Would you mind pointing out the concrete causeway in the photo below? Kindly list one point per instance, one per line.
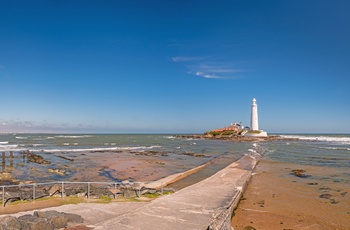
(206, 205)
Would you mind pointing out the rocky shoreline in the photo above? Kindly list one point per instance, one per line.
(48, 220)
(236, 138)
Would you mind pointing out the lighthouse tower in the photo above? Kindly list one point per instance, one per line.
(254, 124)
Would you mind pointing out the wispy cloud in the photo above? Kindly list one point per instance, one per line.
(201, 74)
(203, 66)
(188, 59)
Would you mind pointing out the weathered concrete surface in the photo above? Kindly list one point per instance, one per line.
(205, 205)
(92, 213)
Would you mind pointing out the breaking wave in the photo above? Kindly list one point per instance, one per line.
(326, 138)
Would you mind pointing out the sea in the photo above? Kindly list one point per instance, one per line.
(329, 151)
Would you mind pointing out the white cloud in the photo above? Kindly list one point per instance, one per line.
(203, 66)
(188, 59)
(219, 69)
(213, 71)
(201, 74)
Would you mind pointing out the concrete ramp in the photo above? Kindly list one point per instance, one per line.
(206, 205)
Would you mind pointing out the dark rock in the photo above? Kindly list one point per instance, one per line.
(54, 189)
(26, 194)
(60, 172)
(74, 218)
(66, 158)
(129, 193)
(35, 158)
(30, 222)
(326, 196)
(9, 223)
(312, 183)
(78, 227)
(74, 191)
(148, 190)
(58, 219)
(48, 220)
(299, 173)
(98, 192)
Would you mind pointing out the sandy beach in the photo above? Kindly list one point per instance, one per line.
(277, 199)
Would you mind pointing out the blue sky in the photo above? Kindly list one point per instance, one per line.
(174, 66)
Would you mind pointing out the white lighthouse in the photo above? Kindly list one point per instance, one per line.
(254, 123)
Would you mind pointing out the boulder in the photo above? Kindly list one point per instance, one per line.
(148, 191)
(9, 223)
(74, 218)
(58, 219)
(30, 222)
(60, 172)
(129, 193)
(98, 192)
(75, 191)
(55, 189)
(47, 220)
(36, 158)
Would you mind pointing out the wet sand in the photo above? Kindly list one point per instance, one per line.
(153, 170)
(121, 166)
(277, 199)
(99, 166)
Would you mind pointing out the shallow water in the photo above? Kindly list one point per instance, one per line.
(326, 151)
(180, 154)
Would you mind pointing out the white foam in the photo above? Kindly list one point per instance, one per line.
(3, 142)
(336, 148)
(338, 139)
(71, 136)
(95, 149)
(11, 148)
(23, 138)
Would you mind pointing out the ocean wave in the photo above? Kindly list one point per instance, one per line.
(22, 138)
(96, 149)
(11, 148)
(337, 139)
(3, 142)
(73, 136)
(38, 139)
(336, 148)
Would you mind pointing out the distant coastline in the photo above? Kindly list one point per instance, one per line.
(236, 138)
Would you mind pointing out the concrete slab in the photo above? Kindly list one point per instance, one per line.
(205, 205)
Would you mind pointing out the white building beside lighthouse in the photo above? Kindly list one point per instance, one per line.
(254, 123)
